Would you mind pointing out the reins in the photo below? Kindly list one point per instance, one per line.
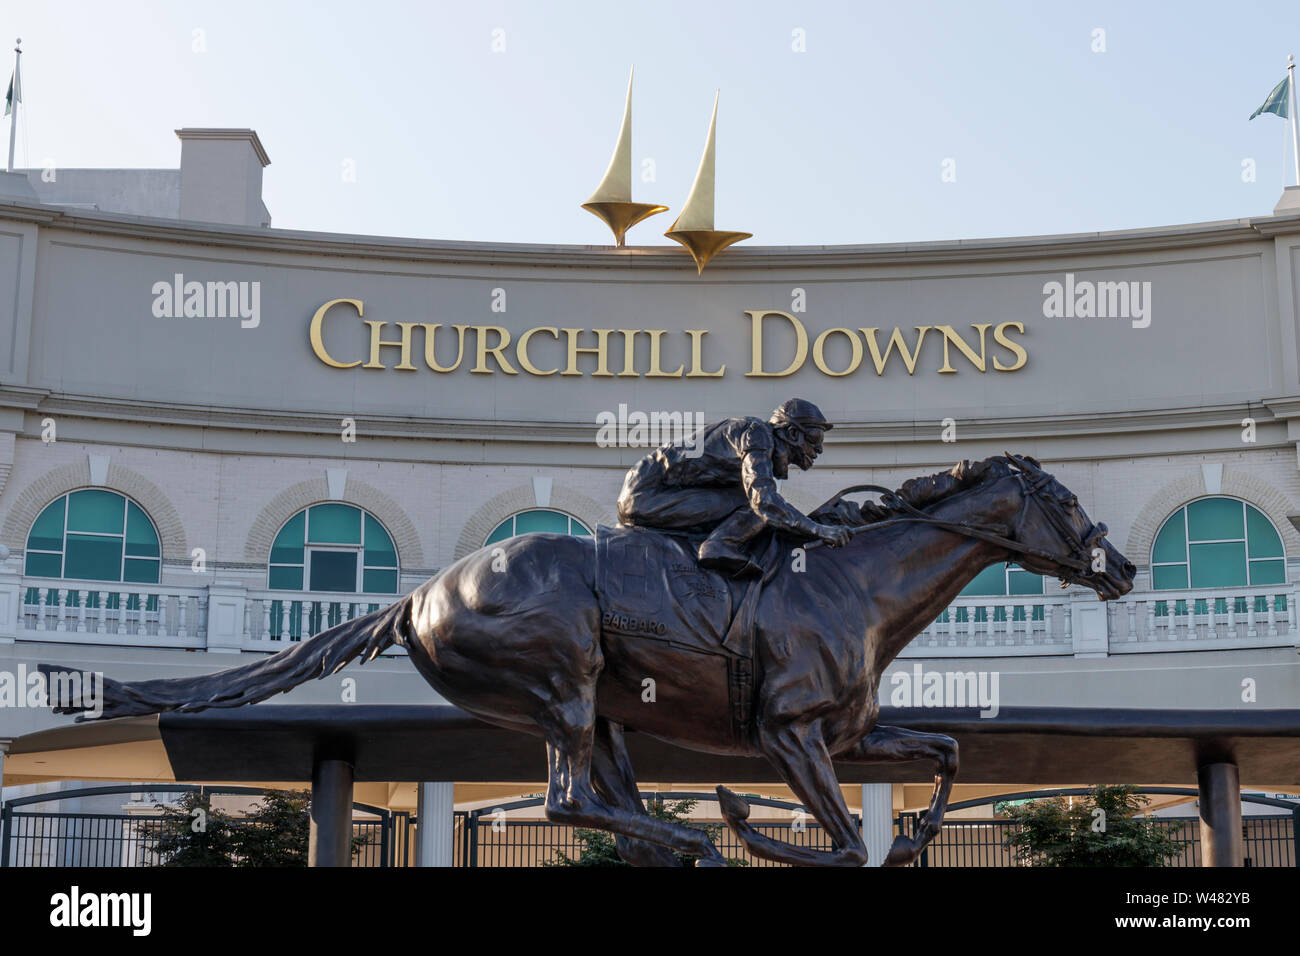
(892, 500)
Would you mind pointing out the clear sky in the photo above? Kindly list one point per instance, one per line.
(844, 142)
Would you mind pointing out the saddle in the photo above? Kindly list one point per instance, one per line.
(651, 587)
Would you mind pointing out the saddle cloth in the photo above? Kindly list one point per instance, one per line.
(650, 586)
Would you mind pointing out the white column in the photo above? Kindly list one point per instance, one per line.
(877, 821)
(434, 832)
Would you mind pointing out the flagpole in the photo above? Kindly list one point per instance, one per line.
(1295, 120)
(18, 92)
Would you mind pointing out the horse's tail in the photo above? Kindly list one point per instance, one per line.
(324, 654)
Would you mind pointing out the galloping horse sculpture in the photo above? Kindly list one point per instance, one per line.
(515, 637)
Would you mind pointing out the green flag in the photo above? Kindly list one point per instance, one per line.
(15, 93)
(1276, 102)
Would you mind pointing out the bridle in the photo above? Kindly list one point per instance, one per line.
(1033, 482)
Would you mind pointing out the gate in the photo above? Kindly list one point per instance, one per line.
(54, 838)
(1267, 839)
(485, 837)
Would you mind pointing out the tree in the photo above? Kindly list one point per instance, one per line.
(191, 833)
(1101, 829)
(599, 848)
(276, 832)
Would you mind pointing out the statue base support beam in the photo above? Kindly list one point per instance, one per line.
(1220, 802)
(331, 814)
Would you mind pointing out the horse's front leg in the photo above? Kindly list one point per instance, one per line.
(886, 743)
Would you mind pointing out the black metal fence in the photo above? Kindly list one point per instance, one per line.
(488, 837)
(33, 837)
(1267, 839)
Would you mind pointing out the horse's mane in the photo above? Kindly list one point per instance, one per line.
(920, 492)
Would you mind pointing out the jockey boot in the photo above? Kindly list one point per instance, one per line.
(723, 550)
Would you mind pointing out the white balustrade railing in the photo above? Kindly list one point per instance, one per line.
(998, 626)
(273, 619)
(230, 617)
(1204, 618)
(132, 614)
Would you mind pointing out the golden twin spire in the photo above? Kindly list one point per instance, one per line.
(612, 201)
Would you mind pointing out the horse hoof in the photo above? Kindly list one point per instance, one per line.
(903, 853)
(733, 806)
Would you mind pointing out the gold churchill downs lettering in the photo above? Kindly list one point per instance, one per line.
(622, 353)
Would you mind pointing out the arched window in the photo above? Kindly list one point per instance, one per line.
(1217, 542)
(539, 519)
(94, 535)
(333, 547)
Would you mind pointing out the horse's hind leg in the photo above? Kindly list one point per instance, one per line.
(886, 743)
(800, 756)
(571, 799)
(612, 773)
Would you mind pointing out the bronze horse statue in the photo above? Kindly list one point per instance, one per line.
(514, 636)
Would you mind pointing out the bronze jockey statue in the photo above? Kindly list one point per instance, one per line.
(722, 482)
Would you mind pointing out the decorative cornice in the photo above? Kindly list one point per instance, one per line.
(654, 257)
(326, 425)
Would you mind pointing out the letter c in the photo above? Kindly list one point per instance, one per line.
(318, 341)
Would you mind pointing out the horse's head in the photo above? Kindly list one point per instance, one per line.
(1064, 541)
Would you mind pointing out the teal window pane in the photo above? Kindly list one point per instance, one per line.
(1261, 535)
(44, 565)
(1199, 606)
(1171, 542)
(981, 614)
(1162, 608)
(578, 529)
(1220, 605)
(1239, 606)
(1279, 602)
(551, 521)
(943, 618)
(141, 539)
(1020, 581)
(288, 545)
(999, 613)
(98, 511)
(1214, 518)
(1169, 577)
(379, 582)
(141, 571)
(991, 582)
(380, 552)
(1268, 572)
(963, 615)
(1218, 565)
(286, 579)
(1038, 612)
(334, 524)
(93, 558)
(1180, 607)
(1261, 603)
(47, 532)
(504, 530)
(333, 571)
